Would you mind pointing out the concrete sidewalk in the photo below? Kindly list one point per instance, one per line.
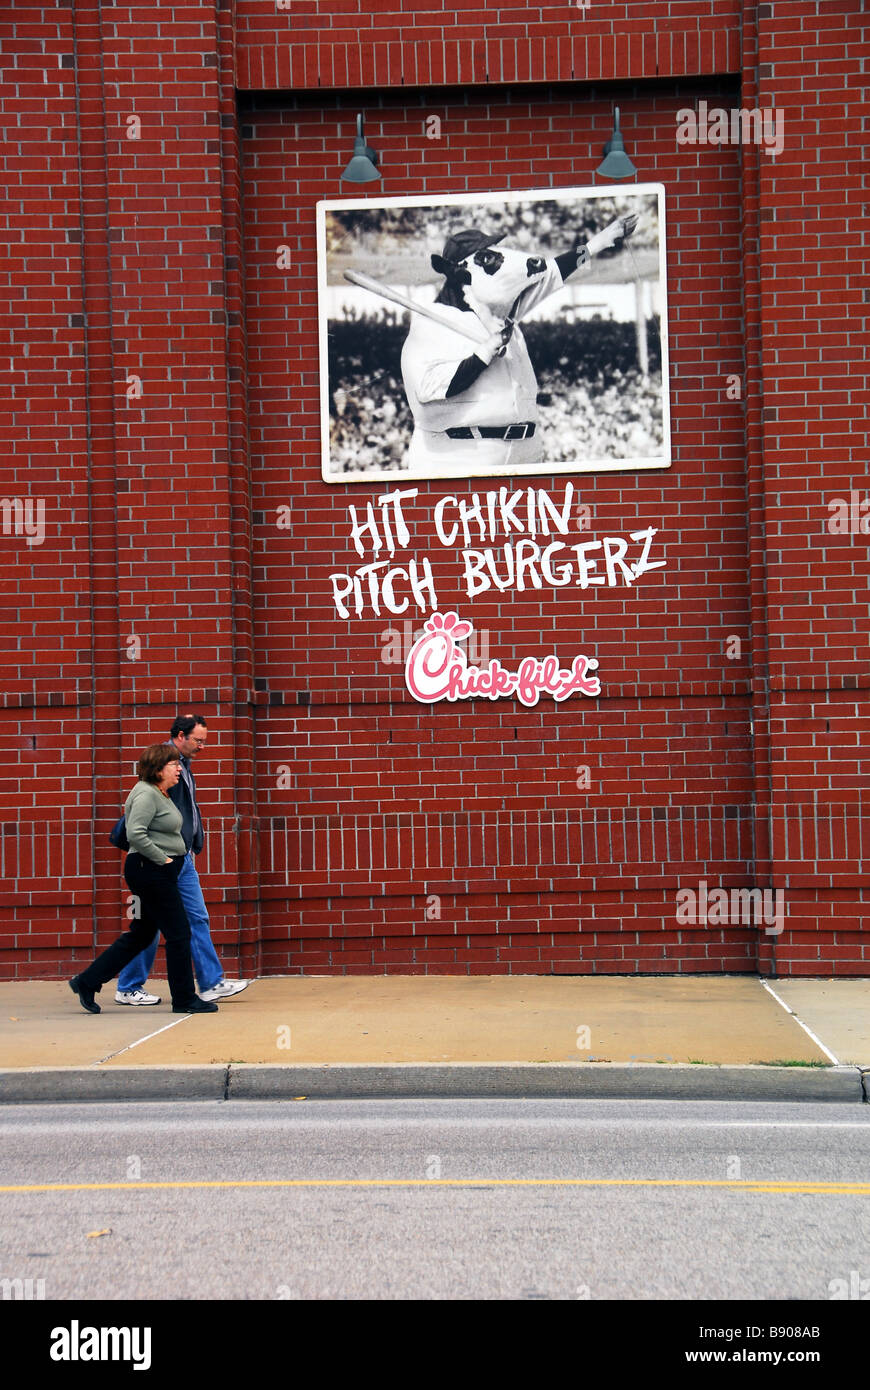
(643, 1036)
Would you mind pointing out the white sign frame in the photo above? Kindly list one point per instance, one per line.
(476, 211)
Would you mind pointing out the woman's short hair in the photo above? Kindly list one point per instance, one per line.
(154, 760)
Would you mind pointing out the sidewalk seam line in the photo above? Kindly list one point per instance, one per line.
(808, 1031)
(129, 1047)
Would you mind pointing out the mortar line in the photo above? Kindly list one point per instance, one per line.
(807, 1030)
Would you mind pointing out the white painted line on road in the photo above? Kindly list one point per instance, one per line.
(818, 1042)
(129, 1048)
(305, 1120)
(307, 1124)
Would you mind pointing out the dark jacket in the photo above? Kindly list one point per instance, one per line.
(185, 799)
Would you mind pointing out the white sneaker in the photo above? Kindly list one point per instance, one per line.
(136, 996)
(225, 990)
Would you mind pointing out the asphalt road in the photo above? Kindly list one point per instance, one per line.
(530, 1199)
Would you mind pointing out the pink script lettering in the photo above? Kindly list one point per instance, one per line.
(437, 669)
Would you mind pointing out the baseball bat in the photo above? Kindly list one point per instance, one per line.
(366, 282)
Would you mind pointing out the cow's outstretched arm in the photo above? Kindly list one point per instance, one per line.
(570, 261)
(615, 234)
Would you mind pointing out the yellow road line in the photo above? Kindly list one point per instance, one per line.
(832, 1189)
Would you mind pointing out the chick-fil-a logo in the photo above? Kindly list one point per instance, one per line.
(437, 669)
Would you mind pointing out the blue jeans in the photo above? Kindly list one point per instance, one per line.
(205, 960)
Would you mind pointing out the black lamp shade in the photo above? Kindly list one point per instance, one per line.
(616, 163)
(361, 168)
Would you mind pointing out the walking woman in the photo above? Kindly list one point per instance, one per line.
(151, 869)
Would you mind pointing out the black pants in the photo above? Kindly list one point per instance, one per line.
(160, 910)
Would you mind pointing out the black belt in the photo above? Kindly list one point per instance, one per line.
(524, 431)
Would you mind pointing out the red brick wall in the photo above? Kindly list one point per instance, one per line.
(458, 802)
(348, 44)
(155, 258)
(118, 271)
(814, 444)
(46, 616)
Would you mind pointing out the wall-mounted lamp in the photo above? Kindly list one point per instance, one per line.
(361, 168)
(616, 163)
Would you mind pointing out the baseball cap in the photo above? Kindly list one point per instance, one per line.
(465, 243)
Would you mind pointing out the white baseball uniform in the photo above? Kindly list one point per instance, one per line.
(504, 394)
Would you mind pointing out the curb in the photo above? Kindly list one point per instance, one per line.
(60, 1085)
(420, 1080)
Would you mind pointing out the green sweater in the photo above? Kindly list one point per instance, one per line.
(153, 823)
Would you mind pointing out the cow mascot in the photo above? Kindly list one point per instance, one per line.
(475, 408)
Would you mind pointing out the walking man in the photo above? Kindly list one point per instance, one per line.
(188, 735)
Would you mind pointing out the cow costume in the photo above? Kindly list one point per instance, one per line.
(475, 408)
